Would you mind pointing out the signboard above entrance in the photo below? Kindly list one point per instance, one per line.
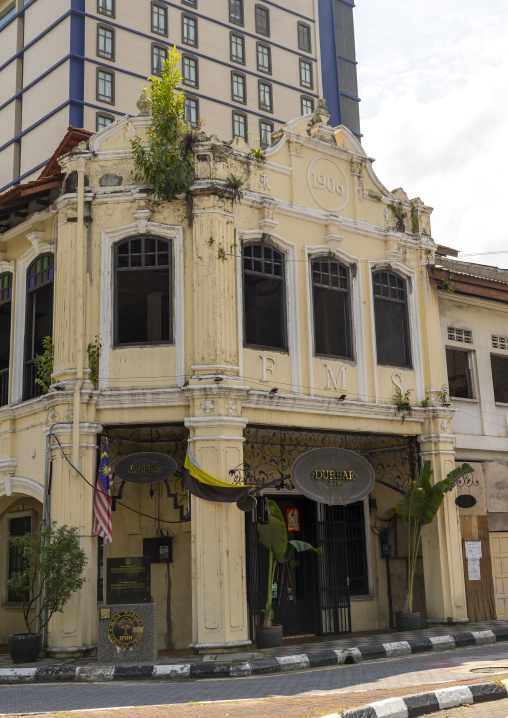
(147, 467)
(333, 476)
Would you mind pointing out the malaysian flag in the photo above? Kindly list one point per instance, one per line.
(102, 501)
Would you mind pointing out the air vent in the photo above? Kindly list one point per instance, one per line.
(460, 335)
(499, 342)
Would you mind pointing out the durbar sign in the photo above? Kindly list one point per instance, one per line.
(147, 467)
(333, 476)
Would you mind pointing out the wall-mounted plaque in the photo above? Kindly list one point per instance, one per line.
(126, 629)
(128, 580)
(146, 467)
(333, 476)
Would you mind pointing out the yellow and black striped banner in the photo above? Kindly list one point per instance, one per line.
(207, 487)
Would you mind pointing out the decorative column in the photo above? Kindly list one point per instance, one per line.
(71, 502)
(441, 540)
(219, 602)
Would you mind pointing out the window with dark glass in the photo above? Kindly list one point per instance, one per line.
(264, 296)
(332, 310)
(307, 106)
(39, 318)
(190, 71)
(499, 365)
(237, 48)
(305, 74)
(391, 316)
(191, 110)
(304, 42)
(103, 121)
(262, 20)
(189, 30)
(264, 58)
(458, 364)
(17, 526)
(192, 3)
(159, 19)
(265, 132)
(238, 87)
(239, 125)
(265, 96)
(159, 56)
(5, 334)
(236, 11)
(106, 7)
(143, 304)
(105, 86)
(105, 42)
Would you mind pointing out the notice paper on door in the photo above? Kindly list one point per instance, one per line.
(473, 567)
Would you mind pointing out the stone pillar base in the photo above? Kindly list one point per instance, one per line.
(72, 652)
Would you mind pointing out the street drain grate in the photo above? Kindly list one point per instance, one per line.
(490, 669)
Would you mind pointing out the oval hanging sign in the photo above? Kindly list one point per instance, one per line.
(333, 476)
(147, 467)
(465, 501)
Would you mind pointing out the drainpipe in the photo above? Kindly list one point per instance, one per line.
(79, 312)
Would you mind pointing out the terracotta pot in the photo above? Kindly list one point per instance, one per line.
(268, 636)
(25, 647)
(407, 621)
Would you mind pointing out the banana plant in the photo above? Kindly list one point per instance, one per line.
(273, 536)
(418, 508)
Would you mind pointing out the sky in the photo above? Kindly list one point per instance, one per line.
(433, 79)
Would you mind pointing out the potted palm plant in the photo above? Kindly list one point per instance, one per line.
(418, 508)
(53, 564)
(274, 537)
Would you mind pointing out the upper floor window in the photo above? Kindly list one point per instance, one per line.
(391, 317)
(191, 110)
(7, 13)
(105, 42)
(106, 7)
(190, 71)
(307, 106)
(237, 48)
(265, 96)
(103, 121)
(460, 381)
(5, 334)
(499, 365)
(305, 74)
(240, 125)
(332, 312)
(39, 318)
(159, 56)
(192, 3)
(304, 42)
(159, 19)
(105, 86)
(238, 87)
(264, 58)
(262, 20)
(265, 131)
(236, 11)
(264, 296)
(189, 30)
(143, 302)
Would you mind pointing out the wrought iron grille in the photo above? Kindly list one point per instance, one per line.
(269, 454)
(164, 439)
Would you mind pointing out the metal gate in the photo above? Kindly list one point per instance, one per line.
(334, 596)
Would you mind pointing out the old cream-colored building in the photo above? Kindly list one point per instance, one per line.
(275, 308)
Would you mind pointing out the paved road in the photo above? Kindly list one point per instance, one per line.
(300, 694)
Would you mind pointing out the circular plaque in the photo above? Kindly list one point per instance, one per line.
(333, 476)
(126, 629)
(328, 184)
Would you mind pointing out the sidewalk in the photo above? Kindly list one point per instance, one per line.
(314, 652)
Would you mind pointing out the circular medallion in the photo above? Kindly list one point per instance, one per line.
(126, 629)
(328, 184)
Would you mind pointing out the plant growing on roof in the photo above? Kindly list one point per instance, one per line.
(44, 364)
(402, 402)
(418, 508)
(166, 160)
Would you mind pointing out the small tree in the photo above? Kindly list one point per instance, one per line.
(52, 566)
(44, 364)
(165, 160)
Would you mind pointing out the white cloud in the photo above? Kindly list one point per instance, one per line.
(432, 78)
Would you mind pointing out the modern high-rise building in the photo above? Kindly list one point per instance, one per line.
(248, 67)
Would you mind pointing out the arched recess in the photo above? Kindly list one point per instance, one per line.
(358, 336)
(21, 486)
(109, 238)
(288, 249)
(409, 275)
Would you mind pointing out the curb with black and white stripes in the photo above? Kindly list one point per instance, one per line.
(421, 704)
(279, 664)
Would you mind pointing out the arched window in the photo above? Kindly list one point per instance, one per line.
(143, 297)
(332, 313)
(39, 318)
(391, 314)
(264, 296)
(5, 334)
